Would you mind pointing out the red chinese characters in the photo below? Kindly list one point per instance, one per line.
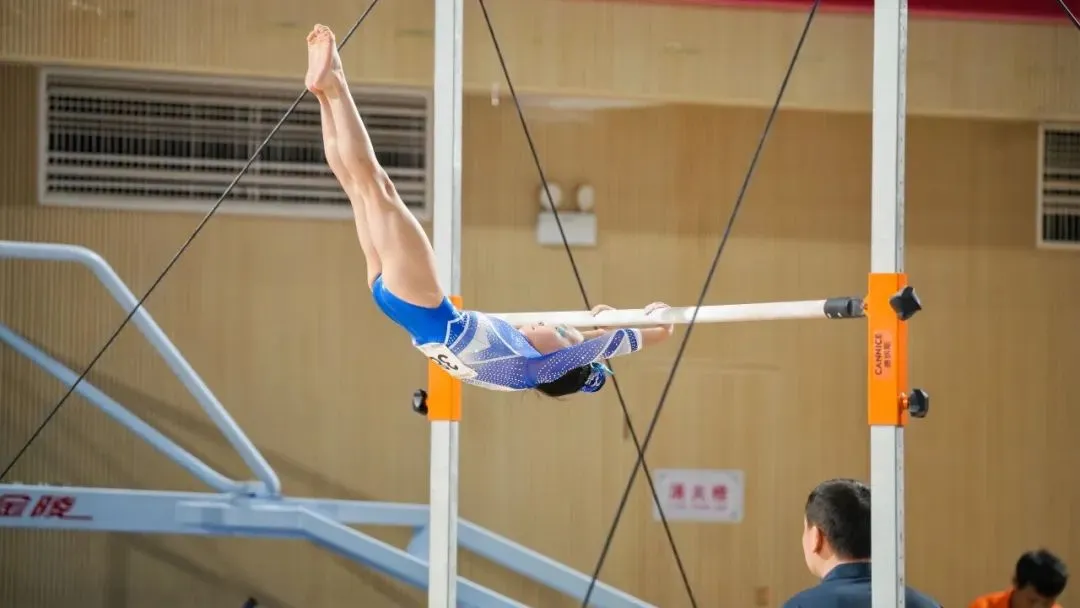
(46, 506)
(13, 505)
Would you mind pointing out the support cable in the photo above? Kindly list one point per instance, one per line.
(585, 296)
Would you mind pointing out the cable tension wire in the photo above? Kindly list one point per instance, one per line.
(704, 292)
(176, 257)
(585, 296)
(1069, 13)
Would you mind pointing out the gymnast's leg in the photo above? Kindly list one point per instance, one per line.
(404, 252)
(333, 158)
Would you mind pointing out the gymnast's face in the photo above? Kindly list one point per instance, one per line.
(550, 338)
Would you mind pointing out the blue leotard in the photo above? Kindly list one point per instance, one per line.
(488, 352)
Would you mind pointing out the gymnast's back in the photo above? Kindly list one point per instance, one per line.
(469, 345)
(488, 352)
(484, 351)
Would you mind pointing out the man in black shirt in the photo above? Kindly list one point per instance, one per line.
(836, 545)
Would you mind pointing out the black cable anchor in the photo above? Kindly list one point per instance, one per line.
(419, 402)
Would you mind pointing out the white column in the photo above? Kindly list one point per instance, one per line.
(887, 256)
(446, 237)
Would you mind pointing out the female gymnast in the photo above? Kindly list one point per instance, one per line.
(474, 347)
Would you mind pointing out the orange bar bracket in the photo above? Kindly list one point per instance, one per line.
(444, 391)
(887, 377)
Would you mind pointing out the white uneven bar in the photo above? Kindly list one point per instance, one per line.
(728, 313)
(887, 256)
(446, 236)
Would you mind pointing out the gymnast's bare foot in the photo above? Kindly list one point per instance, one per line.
(324, 64)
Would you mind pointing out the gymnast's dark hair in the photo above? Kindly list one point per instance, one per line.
(568, 384)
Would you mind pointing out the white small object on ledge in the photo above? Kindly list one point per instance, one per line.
(556, 196)
(586, 198)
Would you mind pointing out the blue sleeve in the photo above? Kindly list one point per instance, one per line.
(553, 366)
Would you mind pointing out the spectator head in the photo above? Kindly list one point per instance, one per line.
(1039, 579)
(836, 526)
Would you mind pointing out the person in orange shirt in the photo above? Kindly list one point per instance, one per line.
(1039, 579)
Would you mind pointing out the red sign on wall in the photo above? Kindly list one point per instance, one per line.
(700, 495)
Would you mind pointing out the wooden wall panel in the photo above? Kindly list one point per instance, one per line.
(275, 315)
(561, 47)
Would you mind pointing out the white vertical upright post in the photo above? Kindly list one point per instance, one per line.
(887, 256)
(446, 236)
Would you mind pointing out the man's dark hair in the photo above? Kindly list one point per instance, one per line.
(840, 508)
(1042, 571)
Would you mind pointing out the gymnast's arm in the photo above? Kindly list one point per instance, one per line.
(650, 336)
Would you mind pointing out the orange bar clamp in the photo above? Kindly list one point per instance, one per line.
(444, 391)
(888, 356)
(889, 305)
